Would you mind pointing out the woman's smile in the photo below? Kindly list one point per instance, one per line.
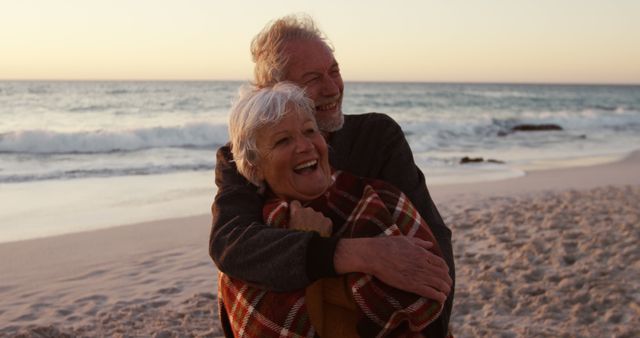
(294, 159)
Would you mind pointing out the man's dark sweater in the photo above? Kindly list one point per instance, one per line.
(370, 145)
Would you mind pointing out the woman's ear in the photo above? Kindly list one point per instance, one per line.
(259, 174)
(259, 180)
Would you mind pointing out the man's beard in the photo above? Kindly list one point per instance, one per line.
(331, 125)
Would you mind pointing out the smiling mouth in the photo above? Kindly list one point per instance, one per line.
(327, 107)
(306, 167)
(328, 103)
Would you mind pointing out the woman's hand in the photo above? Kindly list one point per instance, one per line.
(307, 219)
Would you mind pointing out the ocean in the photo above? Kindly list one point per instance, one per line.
(81, 155)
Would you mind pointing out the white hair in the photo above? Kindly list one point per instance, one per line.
(267, 47)
(255, 108)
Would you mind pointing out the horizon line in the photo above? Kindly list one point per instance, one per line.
(559, 83)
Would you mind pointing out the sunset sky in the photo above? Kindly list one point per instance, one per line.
(566, 41)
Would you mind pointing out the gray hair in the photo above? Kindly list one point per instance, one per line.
(256, 108)
(267, 47)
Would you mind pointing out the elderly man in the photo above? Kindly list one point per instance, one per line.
(370, 145)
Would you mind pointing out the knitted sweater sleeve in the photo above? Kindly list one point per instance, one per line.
(243, 247)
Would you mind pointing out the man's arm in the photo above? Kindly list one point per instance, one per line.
(244, 248)
(373, 145)
(401, 170)
(402, 262)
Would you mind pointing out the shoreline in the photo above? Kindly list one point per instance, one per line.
(619, 171)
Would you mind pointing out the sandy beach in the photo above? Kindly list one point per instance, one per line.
(552, 254)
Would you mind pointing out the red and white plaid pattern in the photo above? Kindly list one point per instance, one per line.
(358, 207)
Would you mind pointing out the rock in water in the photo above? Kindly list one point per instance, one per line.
(536, 127)
(468, 159)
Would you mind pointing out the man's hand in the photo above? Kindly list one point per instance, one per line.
(401, 262)
(307, 219)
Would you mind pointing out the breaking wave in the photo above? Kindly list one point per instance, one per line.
(195, 135)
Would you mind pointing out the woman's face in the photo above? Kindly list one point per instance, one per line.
(293, 157)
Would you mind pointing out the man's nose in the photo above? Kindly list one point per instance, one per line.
(330, 86)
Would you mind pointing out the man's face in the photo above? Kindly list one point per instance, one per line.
(312, 66)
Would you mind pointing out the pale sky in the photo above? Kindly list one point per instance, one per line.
(551, 41)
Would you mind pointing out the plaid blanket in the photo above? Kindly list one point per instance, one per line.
(358, 207)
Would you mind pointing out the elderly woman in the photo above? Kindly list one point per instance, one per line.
(277, 146)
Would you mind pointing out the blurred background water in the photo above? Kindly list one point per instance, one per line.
(83, 155)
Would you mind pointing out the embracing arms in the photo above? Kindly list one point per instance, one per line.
(282, 260)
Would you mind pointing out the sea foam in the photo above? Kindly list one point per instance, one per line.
(194, 135)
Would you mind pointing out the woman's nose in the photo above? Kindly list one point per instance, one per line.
(303, 144)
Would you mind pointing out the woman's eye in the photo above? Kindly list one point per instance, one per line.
(310, 131)
(281, 141)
